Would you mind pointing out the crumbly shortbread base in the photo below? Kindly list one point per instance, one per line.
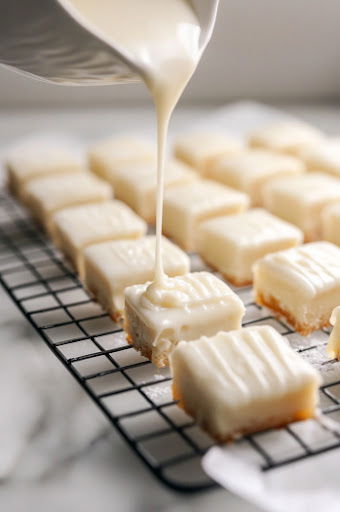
(257, 423)
(304, 328)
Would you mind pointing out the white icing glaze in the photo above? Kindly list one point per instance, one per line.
(323, 156)
(200, 149)
(250, 364)
(143, 175)
(182, 308)
(315, 267)
(121, 149)
(252, 164)
(83, 224)
(163, 40)
(315, 186)
(112, 266)
(286, 136)
(58, 191)
(204, 195)
(135, 254)
(252, 228)
(37, 160)
(186, 291)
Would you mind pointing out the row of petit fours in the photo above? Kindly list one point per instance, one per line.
(108, 268)
(106, 264)
(263, 177)
(270, 171)
(198, 214)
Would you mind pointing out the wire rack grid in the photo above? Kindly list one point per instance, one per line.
(134, 396)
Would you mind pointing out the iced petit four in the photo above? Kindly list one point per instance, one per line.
(243, 381)
(301, 284)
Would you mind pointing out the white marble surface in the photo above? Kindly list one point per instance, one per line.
(71, 459)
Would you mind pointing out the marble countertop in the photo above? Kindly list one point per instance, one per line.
(57, 463)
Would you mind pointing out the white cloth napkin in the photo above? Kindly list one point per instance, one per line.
(310, 485)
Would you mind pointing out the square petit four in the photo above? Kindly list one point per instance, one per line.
(301, 199)
(333, 345)
(30, 161)
(323, 157)
(77, 227)
(46, 196)
(290, 137)
(199, 149)
(250, 170)
(106, 155)
(186, 206)
(183, 308)
(110, 267)
(243, 381)
(330, 223)
(136, 184)
(301, 284)
(232, 244)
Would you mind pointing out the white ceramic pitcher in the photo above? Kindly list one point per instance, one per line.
(48, 40)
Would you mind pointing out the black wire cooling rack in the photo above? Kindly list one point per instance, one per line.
(134, 396)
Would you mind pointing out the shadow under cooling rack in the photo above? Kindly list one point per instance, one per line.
(131, 392)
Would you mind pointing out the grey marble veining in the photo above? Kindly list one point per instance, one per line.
(57, 451)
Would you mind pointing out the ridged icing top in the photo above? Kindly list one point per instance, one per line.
(254, 361)
(310, 187)
(286, 135)
(255, 163)
(203, 195)
(144, 173)
(198, 146)
(124, 148)
(135, 255)
(254, 227)
(54, 190)
(41, 158)
(187, 291)
(314, 267)
(109, 218)
(325, 155)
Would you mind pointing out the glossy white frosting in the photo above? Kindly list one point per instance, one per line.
(203, 196)
(313, 268)
(252, 228)
(190, 290)
(129, 256)
(56, 192)
(307, 188)
(324, 156)
(254, 163)
(199, 149)
(142, 175)
(286, 136)
(250, 170)
(112, 266)
(33, 160)
(94, 222)
(159, 315)
(109, 153)
(243, 380)
(248, 362)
